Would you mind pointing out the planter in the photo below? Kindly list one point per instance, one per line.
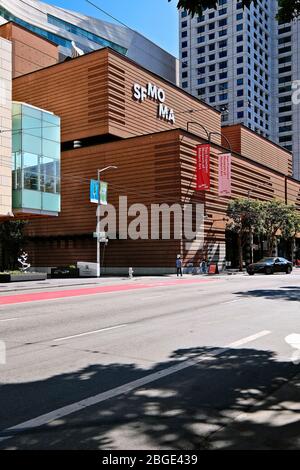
(64, 272)
(6, 277)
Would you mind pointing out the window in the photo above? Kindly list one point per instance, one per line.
(222, 22)
(223, 65)
(223, 96)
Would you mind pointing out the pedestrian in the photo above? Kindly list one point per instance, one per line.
(179, 266)
(203, 266)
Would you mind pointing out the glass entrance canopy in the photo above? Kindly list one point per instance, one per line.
(36, 160)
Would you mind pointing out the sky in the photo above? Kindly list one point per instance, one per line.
(155, 19)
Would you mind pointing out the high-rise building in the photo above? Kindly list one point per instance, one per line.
(243, 62)
(289, 73)
(75, 33)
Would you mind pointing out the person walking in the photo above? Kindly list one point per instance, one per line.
(179, 266)
(203, 266)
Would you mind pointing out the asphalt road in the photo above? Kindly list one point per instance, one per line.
(154, 364)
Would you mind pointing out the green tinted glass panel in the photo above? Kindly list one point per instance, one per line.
(31, 144)
(16, 108)
(32, 112)
(17, 199)
(32, 126)
(51, 131)
(51, 202)
(51, 149)
(16, 142)
(16, 122)
(31, 199)
(55, 120)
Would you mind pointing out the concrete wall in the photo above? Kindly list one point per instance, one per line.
(5, 127)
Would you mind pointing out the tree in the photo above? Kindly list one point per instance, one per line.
(12, 240)
(288, 9)
(279, 218)
(245, 219)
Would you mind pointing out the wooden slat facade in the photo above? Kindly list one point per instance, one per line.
(246, 142)
(155, 159)
(30, 52)
(158, 168)
(93, 96)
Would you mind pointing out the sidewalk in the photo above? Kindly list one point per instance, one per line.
(273, 423)
(78, 282)
(107, 280)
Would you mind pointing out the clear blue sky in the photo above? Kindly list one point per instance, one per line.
(155, 19)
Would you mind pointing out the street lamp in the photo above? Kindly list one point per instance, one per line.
(223, 136)
(110, 167)
(197, 124)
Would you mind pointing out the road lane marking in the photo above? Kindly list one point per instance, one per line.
(123, 389)
(250, 338)
(90, 333)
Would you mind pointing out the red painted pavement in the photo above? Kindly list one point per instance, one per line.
(37, 296)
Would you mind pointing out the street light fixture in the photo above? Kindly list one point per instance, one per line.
(110, 167)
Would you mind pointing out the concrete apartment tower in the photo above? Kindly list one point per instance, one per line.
(243, 62)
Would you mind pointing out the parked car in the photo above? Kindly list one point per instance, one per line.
(270, 266)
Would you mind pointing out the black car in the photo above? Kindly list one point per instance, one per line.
(270, 266)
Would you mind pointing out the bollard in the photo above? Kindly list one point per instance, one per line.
(130, 272)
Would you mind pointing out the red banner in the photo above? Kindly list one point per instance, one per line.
(225, 174)
(203, 168)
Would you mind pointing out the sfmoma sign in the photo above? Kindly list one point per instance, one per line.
(157, 94)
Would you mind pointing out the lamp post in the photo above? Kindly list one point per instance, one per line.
(98, 219)
(221, 135)
(197, 124)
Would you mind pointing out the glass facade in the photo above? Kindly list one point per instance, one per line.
(85, 34)
(59, 40)
(36, 159)
(42, 32)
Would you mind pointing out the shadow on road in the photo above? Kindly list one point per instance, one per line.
(284, 293)
(182, 411)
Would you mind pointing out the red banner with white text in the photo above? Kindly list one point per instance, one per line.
(225, 174)
(203, 168)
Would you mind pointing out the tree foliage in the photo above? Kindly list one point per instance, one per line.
(245, 219)
(288, 9)
(279, 219)
(12, 240)
(269, 219)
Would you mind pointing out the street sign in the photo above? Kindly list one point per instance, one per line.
(94, 191)
(103, 193)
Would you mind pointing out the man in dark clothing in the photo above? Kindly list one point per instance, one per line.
(179, 266)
